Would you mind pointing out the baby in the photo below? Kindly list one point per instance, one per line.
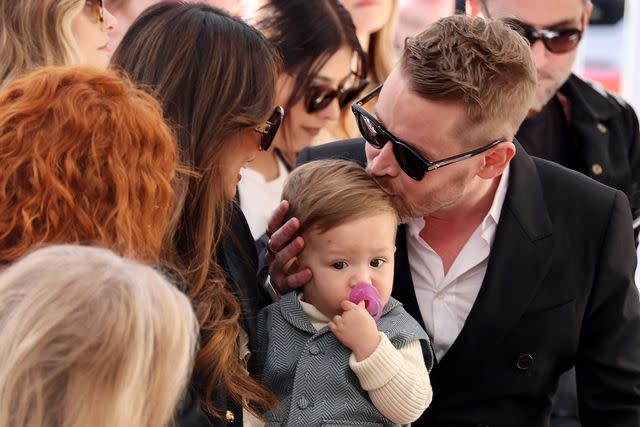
(325, 357)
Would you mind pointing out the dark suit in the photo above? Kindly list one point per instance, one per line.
(558, 291)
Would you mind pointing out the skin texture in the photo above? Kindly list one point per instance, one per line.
(553, 69)
(125, 15)
(368, 16)
(243, 148)
(359, 251)
(93, 38)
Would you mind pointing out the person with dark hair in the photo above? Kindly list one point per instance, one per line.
(324, 71)
(216, 78)
(518, 268)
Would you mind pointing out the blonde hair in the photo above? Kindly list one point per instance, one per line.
(325, 194)
(35, 33)
(482, 63)
(90, 338)
(381, 53)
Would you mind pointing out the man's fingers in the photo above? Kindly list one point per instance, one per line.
(277, 217)
(285, 234)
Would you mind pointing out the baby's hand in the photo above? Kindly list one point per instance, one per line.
(356, 330)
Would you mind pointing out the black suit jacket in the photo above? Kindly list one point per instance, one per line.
(558, 291)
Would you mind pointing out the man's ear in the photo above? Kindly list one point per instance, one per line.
(587, 14)
(496, 160)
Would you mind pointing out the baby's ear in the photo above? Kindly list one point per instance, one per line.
(395, 249)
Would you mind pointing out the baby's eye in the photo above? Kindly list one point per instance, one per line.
(377, 262)
(339, 265)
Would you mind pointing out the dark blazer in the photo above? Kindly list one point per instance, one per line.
(558, 291)
(238, 257)
(606, 138)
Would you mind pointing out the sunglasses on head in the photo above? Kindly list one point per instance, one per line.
(318, 97)
(556, 41)
(98, 8)
(269, 128)
(410, 161)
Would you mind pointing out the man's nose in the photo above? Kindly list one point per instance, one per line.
(383, 162)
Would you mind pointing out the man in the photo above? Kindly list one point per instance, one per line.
(571, 122)
(517, 268)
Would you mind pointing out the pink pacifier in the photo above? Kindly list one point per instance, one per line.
(367, 293)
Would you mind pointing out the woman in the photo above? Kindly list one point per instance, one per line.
(86, 158)
(91, 339)
(324, 67)
(215, 76)
(36, 33)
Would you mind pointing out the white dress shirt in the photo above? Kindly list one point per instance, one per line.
(259, 198)
(445, 300)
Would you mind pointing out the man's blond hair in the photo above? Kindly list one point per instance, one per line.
(481, 63)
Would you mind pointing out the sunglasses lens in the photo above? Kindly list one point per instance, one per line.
(318, 98)
(371, 131)
(409, 162)
(565, 41)
(274, 124)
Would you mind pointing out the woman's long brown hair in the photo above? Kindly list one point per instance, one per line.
(215, 76)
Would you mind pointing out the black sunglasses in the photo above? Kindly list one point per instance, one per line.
(98, 8)
(556, 41)
(410, 161)
(269, 128)
(318, 97)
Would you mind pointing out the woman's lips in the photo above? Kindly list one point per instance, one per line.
(311, 131)
(107, 47)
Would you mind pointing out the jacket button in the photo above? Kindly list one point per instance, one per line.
(483, 425)
(314, 350)
(230, 416)
(303, 403)
(524, 362)
(601, 128)
(596, 169)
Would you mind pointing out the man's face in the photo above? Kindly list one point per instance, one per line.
(553, 68)
(431, 128)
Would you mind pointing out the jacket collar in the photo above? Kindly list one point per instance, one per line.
(589, 102)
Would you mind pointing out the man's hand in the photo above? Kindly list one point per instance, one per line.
(283, 248)
(356, 330)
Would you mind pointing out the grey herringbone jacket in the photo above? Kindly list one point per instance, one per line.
(309, 370)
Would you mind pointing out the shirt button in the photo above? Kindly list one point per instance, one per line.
(440, 295)
(596, 169)
(525, 361)
(314, 350)
(601, 128)
(303, 403)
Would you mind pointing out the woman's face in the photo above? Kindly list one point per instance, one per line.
(92, 36)
(240, 150)
(369, 16)
(299, 127)
(125, 15)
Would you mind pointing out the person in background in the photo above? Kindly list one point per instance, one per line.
(349, 225)
(375, 24)
(86, 158)
(216, 78)
(572, 122)
(90, 338)
(415, 15)
(36, 33)
(324, 69)
(518, 268)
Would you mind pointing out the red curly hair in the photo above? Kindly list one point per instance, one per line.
(86, 158)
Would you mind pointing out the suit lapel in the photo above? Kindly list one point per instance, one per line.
(519, 259)
(403, 289)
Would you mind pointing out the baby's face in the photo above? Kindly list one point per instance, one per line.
(359, 251)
